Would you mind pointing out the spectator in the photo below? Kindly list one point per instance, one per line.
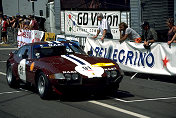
(16, 21)
(26, 24)
(4, 30)
(104, 28)
(150, 35)
(7, 20)
(33, 24)
(128, 33)
(21, 23)
(172, 31)
(42, 24)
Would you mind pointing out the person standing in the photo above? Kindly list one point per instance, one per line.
(172, 31)
(103, 27)
(128, 33)
(33, 24)
(150, 35)
(4, 30)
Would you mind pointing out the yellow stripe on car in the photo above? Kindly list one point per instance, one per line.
(102, 64)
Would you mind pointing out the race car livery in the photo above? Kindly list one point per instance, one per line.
(54, 66)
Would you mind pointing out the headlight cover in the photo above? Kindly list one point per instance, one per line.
(75, 76)
(113, 74)
(108, 74)
(68, 77)
(57, 76)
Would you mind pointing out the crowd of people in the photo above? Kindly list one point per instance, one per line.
(18, 22)
(148, 37)
(149, 34)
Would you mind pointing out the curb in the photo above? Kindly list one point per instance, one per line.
(4, 45)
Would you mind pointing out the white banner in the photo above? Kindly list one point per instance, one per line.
(29, 36)
(133, 57)
(83, 23)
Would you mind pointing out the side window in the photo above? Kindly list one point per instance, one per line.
(23, 50)
(28, 52)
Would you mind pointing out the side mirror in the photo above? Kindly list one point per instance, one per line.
(24, 56)
(90, 53)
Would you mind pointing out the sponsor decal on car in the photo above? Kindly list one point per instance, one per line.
(85, 68)
(69, 72)
(102, 64)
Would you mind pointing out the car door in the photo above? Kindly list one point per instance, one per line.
(22, 55)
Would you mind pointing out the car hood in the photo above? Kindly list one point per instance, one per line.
(73, 60)
(82, 64)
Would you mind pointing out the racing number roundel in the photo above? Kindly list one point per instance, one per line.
(90, 71)
(22, 70)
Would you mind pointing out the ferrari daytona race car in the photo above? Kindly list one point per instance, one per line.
(57, 66)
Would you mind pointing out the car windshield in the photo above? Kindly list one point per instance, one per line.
(47, 51)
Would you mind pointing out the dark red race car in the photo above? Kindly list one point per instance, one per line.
(57, 66)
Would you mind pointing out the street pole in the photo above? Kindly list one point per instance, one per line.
(33, 10)
(175, 12)
(18, 7)
(57, 11)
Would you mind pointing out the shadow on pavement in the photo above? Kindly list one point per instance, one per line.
(84, 96)
(161, 78)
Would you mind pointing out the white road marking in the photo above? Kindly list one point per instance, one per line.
(143, 100)
(23, 89)
(133, 75)
(119, 109)
(1, 73)
(3, 61)
(8, 48)
(10, 92)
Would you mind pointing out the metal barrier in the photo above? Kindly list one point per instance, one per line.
(13, 32)
(12, 35)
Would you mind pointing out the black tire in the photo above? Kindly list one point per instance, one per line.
(11, 80)
(43, 86)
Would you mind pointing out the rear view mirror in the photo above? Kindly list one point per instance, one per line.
(24, 56)
(90, 53)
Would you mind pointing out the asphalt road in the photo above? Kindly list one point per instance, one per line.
(136, 97)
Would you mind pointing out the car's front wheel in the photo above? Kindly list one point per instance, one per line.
(11, 80)
(43, 86)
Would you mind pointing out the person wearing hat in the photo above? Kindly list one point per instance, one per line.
(103, 27)
(128, 33)
(150, 35)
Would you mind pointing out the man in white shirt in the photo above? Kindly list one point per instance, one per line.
(104, 28)
(128, 33)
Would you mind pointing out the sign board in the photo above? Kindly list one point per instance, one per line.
(49, 36)
(133, 57)
(84, 23)
(29, 36)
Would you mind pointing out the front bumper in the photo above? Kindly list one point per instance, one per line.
(86, 83)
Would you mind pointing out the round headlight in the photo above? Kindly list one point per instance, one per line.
(75, 76)
(108, 74)
(68, 76)
(113, 74)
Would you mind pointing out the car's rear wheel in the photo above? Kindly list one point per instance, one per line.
(11, 80)
(43, 86)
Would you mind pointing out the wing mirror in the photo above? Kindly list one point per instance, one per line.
(90, 53)
(24, 56)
